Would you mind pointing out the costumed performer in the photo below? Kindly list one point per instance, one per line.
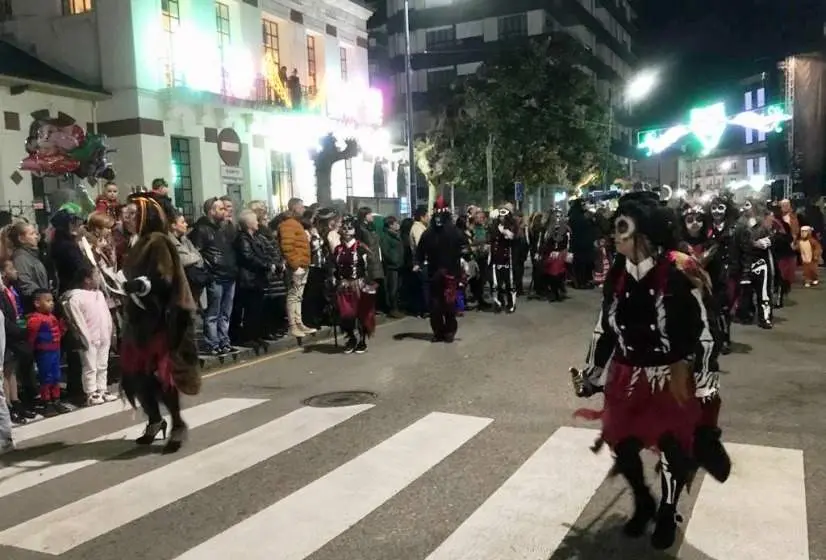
(503, 245)
(158, 354)
(755, 263)
(650, 326)
(441, 248)
(355, 293)
(810, 253)
(724, 276)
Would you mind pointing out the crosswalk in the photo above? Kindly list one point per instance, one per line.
(527, 517)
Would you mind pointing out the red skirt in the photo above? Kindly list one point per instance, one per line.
(646, 410)
(787, 266)
(556, 266)
(357, 304)
(148, 359)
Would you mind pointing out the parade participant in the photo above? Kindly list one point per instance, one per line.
(810, 253)
(653, 329)
(555, 249)
(501, 259)
(355, 294)
(159, 357)
(441, 249)
(753, 257)
(694, 238)
(724, 284)
(784, 255)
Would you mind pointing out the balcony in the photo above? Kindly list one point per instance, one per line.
(262, 92)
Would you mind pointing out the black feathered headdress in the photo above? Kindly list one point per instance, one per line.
(648, 217)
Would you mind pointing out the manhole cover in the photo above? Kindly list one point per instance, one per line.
(341, 398)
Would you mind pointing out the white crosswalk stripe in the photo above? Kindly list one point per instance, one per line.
(526, 518)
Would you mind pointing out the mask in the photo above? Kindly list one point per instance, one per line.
(718, 212)
(693, 223)
(348, 231)
(624, 228)
(439, 219)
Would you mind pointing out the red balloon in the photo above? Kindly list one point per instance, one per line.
(57, 164)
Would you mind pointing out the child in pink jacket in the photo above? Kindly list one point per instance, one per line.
(91, 321)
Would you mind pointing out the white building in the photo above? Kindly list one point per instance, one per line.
(196, 96)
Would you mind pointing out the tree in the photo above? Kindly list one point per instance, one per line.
(331, 150)
(540, 108)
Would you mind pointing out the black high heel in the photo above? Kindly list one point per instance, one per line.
(151, 432)
(177, 436)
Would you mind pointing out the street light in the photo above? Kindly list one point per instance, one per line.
(641, 86)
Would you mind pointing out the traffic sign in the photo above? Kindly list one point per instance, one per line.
(518, 191)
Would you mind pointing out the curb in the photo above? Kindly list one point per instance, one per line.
(247, 354)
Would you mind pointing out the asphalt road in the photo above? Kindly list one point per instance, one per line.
(469, 451)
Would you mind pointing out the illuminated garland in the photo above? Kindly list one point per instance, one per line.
(708, 124)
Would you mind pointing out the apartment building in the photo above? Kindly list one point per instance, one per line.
(451, 38)
(219, 97)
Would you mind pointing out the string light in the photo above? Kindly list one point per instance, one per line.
(707, 124)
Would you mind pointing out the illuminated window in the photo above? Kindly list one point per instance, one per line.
(74, 7)
(274, 90)
(312, 76)
(171, 20)
(348, 176)
(342, 55)
(222, 27)
(282, 177)
(182, 176)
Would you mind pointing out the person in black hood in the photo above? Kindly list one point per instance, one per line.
(216, 246)
(440, 248)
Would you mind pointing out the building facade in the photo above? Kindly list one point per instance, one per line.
(451, 38)
(228, 97)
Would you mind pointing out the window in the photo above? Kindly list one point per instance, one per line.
(747, 105)
(275, 89)
(750, 171)
(437, 79)
(171, 19)
(440, 38)
(761, 167)
(282, 177)
(513, 26)
(312, 76)
(348, 176)
(75, 7)
(222, 27)
(5, 10)
(761, 102)
(182, 176)
(342, 55)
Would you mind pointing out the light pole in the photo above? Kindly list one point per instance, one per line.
(412, 188)
(637, 90)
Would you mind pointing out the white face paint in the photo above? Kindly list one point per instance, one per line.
(624, 228)
(693, 223)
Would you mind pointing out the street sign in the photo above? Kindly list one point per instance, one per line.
(518, 192)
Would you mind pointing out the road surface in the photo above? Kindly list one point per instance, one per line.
(467, 452)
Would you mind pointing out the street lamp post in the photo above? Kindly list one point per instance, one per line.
(412, 188)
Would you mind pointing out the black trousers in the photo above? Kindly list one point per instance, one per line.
(391, 289)
(442, 314)
(250, 309)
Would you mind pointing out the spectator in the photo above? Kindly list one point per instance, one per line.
(368, 237)
(17, 349)
(160, 192)
(89, 317)
(44, 334)
(254, 264)
(275, 293)
(6, 441)
(392, 251)
(229, 216)
(295, 246)
(192, 262)
(212, 239)
(31, 272)
(107, 203)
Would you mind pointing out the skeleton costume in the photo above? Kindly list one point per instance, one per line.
(355, 294)
(784, 256)
(557, 243)
(502, 246)
(441, 248)
(158, 354)
(755, 263)
(724, 284)
(652, 330)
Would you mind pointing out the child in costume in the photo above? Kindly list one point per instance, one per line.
(44, 333)
(810, 253)
(88, 313)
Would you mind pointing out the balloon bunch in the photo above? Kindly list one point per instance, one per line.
(59, 146)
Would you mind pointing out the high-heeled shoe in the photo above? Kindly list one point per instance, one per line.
(177, 437)
(151, 432)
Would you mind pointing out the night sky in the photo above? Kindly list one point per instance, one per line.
(701, 45)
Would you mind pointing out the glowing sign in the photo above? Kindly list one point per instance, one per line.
(707, 124)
